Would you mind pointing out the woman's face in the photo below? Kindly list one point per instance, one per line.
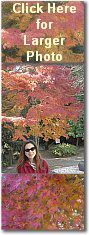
(30, 151)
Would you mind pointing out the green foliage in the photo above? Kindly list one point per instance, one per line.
(9, 147)
(78, 49)
(12, 52)
(65, 150)
(7, 135)
(77, 129)
(17, 145)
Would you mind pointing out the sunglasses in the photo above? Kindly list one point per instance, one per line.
(31, 149)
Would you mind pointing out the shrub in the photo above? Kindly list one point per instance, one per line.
(65, 150)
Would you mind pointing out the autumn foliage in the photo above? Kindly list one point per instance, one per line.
(42, 202)
(69, 26)
(42, 98)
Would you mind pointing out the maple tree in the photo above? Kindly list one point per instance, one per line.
(42, 202)
(40, 100)
(77, 129)
(69, 26)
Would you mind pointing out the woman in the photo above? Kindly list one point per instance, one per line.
(30, 160)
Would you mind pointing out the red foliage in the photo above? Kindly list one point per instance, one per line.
(42, 202)
(49, 95)
(69, 26)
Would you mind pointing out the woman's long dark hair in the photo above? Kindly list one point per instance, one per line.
(23, 157)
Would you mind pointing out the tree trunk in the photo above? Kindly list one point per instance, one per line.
(37, 141)
(77, 142)
(10, 157)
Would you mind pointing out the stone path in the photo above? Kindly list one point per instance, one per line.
(10, 170)
(64, 165)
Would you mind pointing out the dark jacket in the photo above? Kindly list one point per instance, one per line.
(27, 168)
